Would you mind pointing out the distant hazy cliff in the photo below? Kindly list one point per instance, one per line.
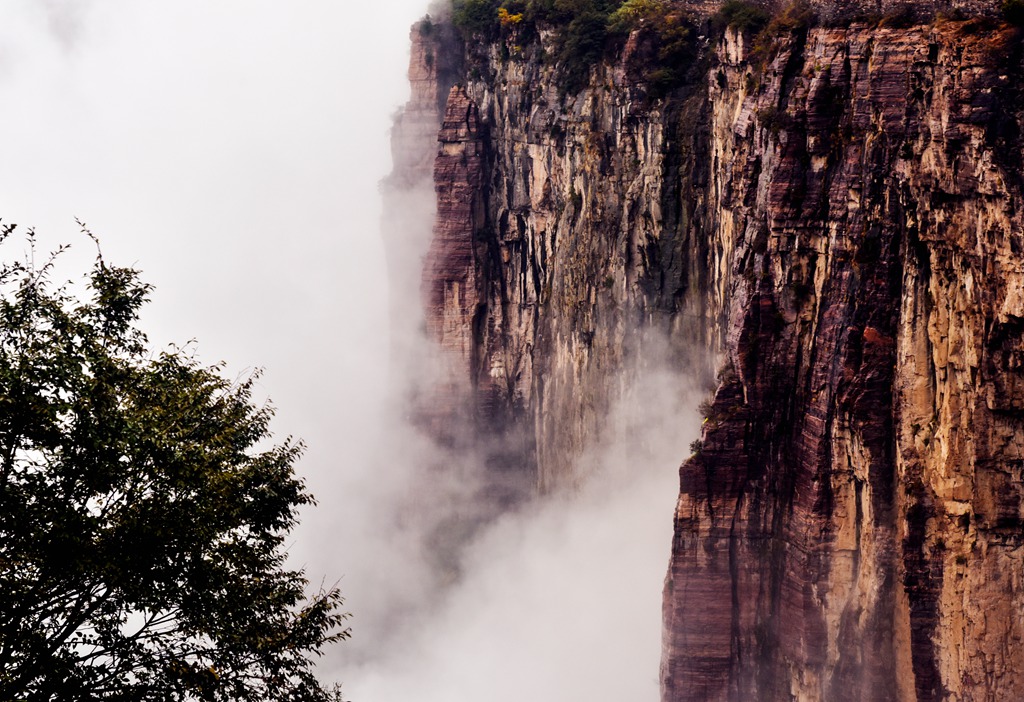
(834, 214)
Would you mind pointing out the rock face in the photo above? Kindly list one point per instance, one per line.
(408, 193)
(557, 238)
(835, 221)
(858, 491)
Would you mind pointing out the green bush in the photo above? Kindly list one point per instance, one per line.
(794, 17)
(564, 11)
(743, 15)
(584, 31)
(773, 119)
(540, 10)
(582, 46)
(475, 16)
(668, 30)
(628, 16)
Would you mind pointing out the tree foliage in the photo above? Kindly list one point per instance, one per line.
(142, 518)
(586, 32)
(478, 17)
(744, 15)
(581, 24)
(669, 31)
(584, 39)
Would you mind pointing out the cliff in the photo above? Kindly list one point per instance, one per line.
(857, 493)
(831, 217)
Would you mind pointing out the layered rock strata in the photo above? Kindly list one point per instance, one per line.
(851, 527)
(559, 236)
(837, 218)
(409, 202)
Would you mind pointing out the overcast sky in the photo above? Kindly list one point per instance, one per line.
(231, 150)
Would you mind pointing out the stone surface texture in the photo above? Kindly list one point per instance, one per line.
(851, 527)
(836, 222)
(408, 199)
(558, 238)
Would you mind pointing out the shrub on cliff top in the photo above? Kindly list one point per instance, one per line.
(475, 16)
(668, 31)
(743, 15)
(508, 19)
(581, 28)
(764, 30)
(585, 30)
(562, 12)
(582, 46)
(660, 15)
(795, 16)
(632, 12)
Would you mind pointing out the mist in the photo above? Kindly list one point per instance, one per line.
(232, 151)
(560, 600)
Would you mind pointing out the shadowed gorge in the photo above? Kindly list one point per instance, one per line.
(817, 214)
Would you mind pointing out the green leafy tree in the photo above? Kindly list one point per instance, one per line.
(669, 30)
(475, 16)
(142, 515)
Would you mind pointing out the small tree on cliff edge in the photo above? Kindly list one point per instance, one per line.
(140, 528)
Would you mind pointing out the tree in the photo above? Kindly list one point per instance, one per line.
(475, 16)
(142, 517)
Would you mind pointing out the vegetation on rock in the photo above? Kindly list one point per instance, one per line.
(743, 15)
(668, 31)
(586, 30)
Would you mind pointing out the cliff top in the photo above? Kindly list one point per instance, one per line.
(488, 16)
(582, 33)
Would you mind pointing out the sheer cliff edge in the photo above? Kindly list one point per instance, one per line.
(827, 204)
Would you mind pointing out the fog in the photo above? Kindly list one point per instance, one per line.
(560, 600)
(232, 152)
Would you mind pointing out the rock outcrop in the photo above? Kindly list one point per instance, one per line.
(857, 492)
(832, 216)
(558, 238)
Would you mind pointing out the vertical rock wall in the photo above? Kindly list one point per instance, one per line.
(409, 202)
(565, 223)
(857, 494)
(837, 219)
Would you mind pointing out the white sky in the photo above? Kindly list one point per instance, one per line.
(231, 150)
